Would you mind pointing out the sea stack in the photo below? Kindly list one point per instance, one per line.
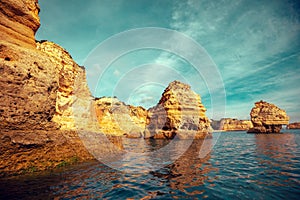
(267, 118)
(179, 113)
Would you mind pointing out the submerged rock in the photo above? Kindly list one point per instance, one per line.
(179, 113)
(267, 118)
(295, 125)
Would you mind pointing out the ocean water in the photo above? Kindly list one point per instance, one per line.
(237, 166)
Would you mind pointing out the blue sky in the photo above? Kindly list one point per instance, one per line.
(255, 46)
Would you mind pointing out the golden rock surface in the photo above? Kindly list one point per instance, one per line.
(231, 124)
(179, 113)
(267, 118)
(117, 118)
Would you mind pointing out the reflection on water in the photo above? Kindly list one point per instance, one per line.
(188, 171)
(240, 166)
(277, 154)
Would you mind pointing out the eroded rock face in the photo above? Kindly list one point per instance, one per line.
(72, 84)
(117, 118)
(19, 21)
(295, 125)
(231, 124)
(28, 88)
(31, 114)
(267, 118)
(27, 151)
(179, 113)
(44, 96)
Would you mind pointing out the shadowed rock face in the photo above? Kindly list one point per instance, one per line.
(179, 113)
(295, 125)
(267, 118)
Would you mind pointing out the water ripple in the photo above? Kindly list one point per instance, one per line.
(240, 166)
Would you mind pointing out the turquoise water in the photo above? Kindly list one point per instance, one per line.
(239, 166)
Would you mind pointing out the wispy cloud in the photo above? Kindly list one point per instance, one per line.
(254, 44)
(251, 46)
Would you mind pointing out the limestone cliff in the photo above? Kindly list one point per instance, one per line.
(19, 21)
(45, 102)
(267, 118)
(231, 124)
(117, 118)
(72, 85)
(295, 125)
(179, 113)
(41, 87)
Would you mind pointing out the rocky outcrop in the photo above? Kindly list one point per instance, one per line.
(267, 118)
(27, 151)
(231, 124)
(295, 125)
(35, 128)
(44, 96)
(179, 113)
(47, 113)
(72, 85)
(19, 21)
(117, 118)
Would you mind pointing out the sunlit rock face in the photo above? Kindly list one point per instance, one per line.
(44, 96)
(117, 118)
(39, 87)
(267, 118)
(19, 21)
(72, 87)
(179, 113)
(295, 125)
(231, 124)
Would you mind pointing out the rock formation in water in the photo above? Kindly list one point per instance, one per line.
(40, 84)
(295, 125)
(231, 124)
(179, 113)
(117, 118)
(45, 102)
(267, 118)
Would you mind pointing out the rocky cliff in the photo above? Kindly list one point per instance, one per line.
(19, 21)
(267, 118)
(47, 113)
(295, 125)
(231, 124)
(179, 113)
(41, 87)
(117, 118)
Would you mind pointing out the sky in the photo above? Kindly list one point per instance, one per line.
(232, 53)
